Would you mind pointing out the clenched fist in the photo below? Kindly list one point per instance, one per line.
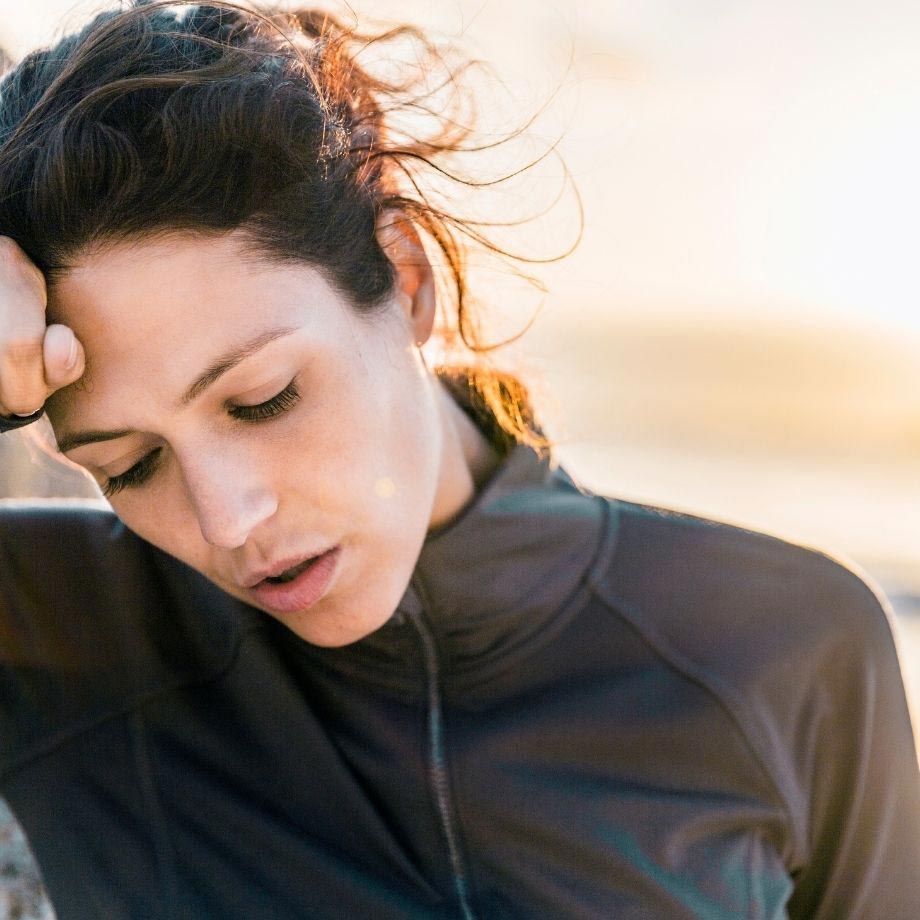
(35, 359)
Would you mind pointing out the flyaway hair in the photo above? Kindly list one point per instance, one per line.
(205, 118)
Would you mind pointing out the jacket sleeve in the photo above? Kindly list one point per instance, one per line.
(8, 423)
(858, 773)
(801, 648)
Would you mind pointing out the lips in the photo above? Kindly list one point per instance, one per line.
(296, 587)
(279, 568)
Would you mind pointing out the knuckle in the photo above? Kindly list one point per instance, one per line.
(22, 396)
(22, 384)
(23, 352)
(9, 248)
(15, 264)
(19, 406)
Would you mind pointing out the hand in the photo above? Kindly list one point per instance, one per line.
(35, 359)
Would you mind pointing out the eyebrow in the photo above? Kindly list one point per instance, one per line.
(214, 371)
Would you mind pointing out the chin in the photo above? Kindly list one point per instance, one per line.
(327, 631)
(345, 615)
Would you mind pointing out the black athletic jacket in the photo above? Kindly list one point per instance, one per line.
(582, 708)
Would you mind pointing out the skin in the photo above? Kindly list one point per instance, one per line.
(372, 456)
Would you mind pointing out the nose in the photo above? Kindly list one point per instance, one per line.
(228, 497)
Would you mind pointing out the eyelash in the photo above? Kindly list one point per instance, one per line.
(144, 468)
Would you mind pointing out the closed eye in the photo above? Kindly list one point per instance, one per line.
(146, 466)
(285, 400)
(140, 472)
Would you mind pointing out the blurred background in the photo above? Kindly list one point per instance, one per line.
(738, 333)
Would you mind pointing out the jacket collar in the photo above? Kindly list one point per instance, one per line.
(494, 577)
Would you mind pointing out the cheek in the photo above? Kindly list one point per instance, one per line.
(403, 451)
(380, 475)
(376, 437)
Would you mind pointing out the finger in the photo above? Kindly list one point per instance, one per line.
(22, 379)
(63, 357)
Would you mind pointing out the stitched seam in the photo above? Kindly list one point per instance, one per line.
(569, 607)
(733, 704)
(756, 913)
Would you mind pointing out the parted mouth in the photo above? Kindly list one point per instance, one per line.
(284, 570)
(289, 574)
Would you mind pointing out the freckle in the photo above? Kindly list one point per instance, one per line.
(384, 487)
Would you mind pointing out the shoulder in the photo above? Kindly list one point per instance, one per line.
(52, 523)
(697, 580)
(75, 554)
(56, 551)
(93, 619)
(796, 645)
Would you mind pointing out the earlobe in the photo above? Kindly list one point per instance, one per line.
(415, 288)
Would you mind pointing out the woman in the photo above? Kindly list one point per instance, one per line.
(351, 644)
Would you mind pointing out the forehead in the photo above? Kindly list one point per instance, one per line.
(121, 288)
(152, 313)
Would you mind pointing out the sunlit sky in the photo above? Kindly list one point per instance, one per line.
(732, 155)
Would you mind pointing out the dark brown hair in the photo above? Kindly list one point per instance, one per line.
(164, 116)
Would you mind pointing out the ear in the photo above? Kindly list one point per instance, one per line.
(415, 289)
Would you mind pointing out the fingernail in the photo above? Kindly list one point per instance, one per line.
(72, 354)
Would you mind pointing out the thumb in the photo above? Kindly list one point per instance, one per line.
(63, 357)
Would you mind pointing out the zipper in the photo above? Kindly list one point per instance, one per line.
(437, 766)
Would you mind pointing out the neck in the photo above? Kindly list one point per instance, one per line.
(467, 463)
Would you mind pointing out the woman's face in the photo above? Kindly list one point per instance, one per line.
(242, 417)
